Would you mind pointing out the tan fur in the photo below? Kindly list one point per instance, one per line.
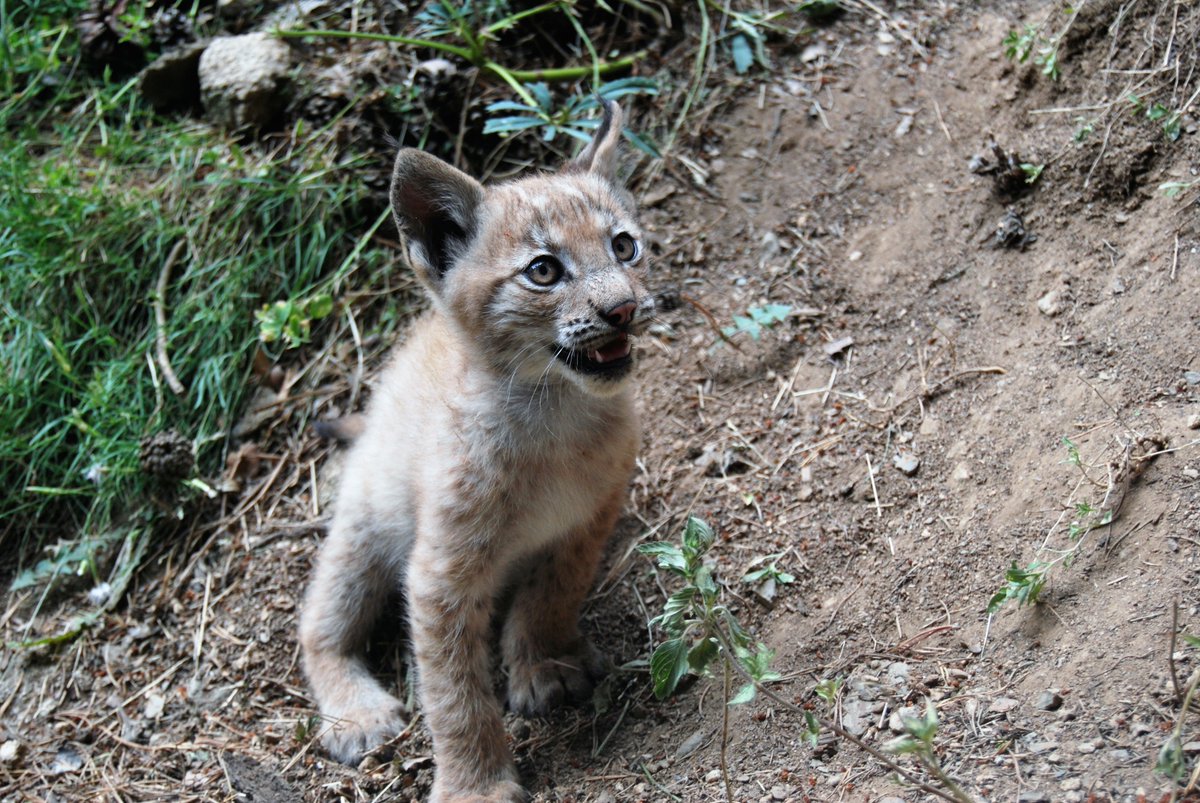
(487, 467)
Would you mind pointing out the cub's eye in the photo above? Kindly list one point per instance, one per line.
(544, 271)
(624, 247)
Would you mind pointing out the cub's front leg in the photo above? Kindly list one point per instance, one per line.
(451, 597)
(547, 659)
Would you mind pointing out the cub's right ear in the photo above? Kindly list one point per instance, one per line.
(437, 207)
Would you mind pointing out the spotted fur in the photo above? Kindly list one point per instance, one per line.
(492, 463)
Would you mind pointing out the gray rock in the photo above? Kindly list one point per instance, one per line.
(244, 80)
(1193, 421)
(1049, 700)
(1086, 747)
(1002, 705)
(907, 462)
(961, 473)
(1191, 377)
(1033, 796)
(172, 81)
(1055, 302)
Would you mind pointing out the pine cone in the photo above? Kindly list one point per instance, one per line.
(104, 39)
(167, 456)
(171, 27)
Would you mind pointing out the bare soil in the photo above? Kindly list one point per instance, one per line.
(841, 186)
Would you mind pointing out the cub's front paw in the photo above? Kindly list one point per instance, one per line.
(351, 734)
(536, 687)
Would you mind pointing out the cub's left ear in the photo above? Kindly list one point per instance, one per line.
(600, 155)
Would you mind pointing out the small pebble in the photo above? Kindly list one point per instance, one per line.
(1191, 473)
(1033, 796)
(1086, 747)
(10, 751)
(1070, 784)
(1054, 303)
(1003, 705)
(907, 462)
(1191, 377)
(778, 793)
(1193, 421)
(961, 473)
(1049, 700)
(712, 776)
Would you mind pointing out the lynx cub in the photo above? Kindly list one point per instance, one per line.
(493, 461)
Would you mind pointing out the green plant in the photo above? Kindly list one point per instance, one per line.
(1168, 119)
(291, 320)
(475, 27)
(918, 741)
(1032, 172)
(699, 627)
(1030, 41)
(1174, 188)
(1024, 585)
(769, 571)
(757, 319)
(537, 110)
(1172, 761)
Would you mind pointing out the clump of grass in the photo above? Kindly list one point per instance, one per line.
(92, 203)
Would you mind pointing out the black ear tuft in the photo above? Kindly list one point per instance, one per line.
(600, 155)
(437, 207)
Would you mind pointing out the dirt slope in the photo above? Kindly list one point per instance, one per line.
(841, 187)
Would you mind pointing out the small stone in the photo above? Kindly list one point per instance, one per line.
(1043, 747)
(1118, 286)
(1191, 377)
(1191, 473)
(1049, 700)
(1120, 755)
(1086, 748)
(1002, 705)
(961, 473)
(906, 461)
(1055, 302)
(1193, 421)
(10, 751)
(244, 80)
(1191, 747)
(712, 776)
(836, 347)
(897, 673)
(896, 720)
(778, 793)
(1071, 784)
(689, 745)
(1033, 796)
(606, 797)
(812, 53)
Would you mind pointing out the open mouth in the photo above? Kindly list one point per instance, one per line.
(610, 359)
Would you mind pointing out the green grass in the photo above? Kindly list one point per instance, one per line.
(95, 191)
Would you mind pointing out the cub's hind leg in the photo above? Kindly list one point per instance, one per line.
(547, 659)
(356, 570)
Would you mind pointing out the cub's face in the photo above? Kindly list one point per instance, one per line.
(551, 288)
(543, 276)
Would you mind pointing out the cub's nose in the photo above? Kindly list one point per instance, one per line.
(620, 315)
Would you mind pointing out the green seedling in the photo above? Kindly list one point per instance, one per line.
(770, 571)
(918, 741)
(699, 626)
(1019, 46)
(1172, 761)
(757, 319)
(291, 321)
(1032, 172)
(1173, 188)
(1169, 120)
(1023, 585)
